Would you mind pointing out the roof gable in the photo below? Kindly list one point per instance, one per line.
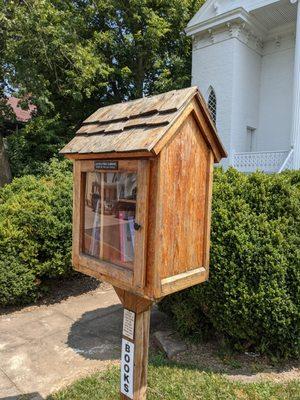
(214, 8)
(138, 125)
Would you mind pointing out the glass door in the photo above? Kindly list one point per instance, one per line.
(109, 229)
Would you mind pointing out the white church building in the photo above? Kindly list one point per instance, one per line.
(246, 62)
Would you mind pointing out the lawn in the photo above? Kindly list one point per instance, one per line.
(171, 381)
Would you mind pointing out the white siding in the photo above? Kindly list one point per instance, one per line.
(252, 90)
(214, 66)
(276, 96)
(247, 69)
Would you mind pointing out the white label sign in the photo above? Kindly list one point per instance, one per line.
(127, 363)
(128, 324)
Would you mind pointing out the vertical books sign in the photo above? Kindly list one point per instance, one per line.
(127, 363)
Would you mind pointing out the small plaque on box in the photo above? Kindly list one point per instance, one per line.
(107, 165)
(128, 324)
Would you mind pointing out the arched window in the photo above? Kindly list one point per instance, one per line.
(212, 104)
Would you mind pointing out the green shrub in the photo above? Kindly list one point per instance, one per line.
(253, 294)
(34, 144)
(35, 232)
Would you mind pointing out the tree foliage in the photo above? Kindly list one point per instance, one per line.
(73, 56)
(35, 232)
(253, 293)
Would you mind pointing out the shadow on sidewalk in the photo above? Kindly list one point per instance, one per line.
(29, 396)
(96, 335)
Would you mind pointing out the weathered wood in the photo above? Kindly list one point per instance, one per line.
(183, 169)
(137, 108)
(108, 270)
(111, 156)
(207, 215)
(151, 120)
(142, 309)
(209, 135)
(152, 288)
(140, 251)
(102, 219)
(142, 327)
(172, 129)
(172, 201)
(182, 281)
(133, 302)
(142, 125)
(78, 188)
(159, 155)
(95, 273)
(123, 166)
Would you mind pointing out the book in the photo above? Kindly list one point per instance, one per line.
(122, 235)
(126, 237)
(132, 230)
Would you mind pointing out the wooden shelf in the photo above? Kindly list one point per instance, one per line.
(127, 201)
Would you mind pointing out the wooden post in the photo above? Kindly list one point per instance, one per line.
(135, 345)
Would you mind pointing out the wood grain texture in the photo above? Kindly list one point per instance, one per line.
(133, 302)
(142, 329)
(106, 269)
(77, 226)
(167, 137)
(209, 135)
(174, 167)
(111, 155)
(207, 215)
(182, 281)
(140, 247)
(146, 106)
(184, 163)
(96, 273)
(145, 124)
(142, 309)
(154, 222)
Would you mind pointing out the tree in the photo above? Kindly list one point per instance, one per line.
(77, 55)
(6, 113)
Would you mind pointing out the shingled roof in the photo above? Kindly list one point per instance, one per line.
(136, 125)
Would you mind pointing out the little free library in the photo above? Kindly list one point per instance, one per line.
(141, 213)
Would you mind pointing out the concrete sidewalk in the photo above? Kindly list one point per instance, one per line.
(45, 348)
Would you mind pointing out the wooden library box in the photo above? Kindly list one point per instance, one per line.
(142, 193)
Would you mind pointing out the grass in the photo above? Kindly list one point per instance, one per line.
(171, 381)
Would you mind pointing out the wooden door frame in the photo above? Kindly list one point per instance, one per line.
(135, 279)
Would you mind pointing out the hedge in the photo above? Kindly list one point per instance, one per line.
(35, 232)
(253, 294)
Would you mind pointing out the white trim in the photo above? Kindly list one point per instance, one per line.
(232, 30)
(262, 152)
(287, 161)
(210, 3)
(236, 14)
(295, 132)
(267, 161)
(202, 10)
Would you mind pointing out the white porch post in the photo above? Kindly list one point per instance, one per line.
(296, 94)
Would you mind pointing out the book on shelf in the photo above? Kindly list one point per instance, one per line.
(126, 236)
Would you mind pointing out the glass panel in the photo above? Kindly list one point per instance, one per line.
(109, 216)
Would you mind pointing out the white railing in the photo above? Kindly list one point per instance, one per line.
(267, 161)
(289, 161)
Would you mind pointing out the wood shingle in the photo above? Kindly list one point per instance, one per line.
(137, 125)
